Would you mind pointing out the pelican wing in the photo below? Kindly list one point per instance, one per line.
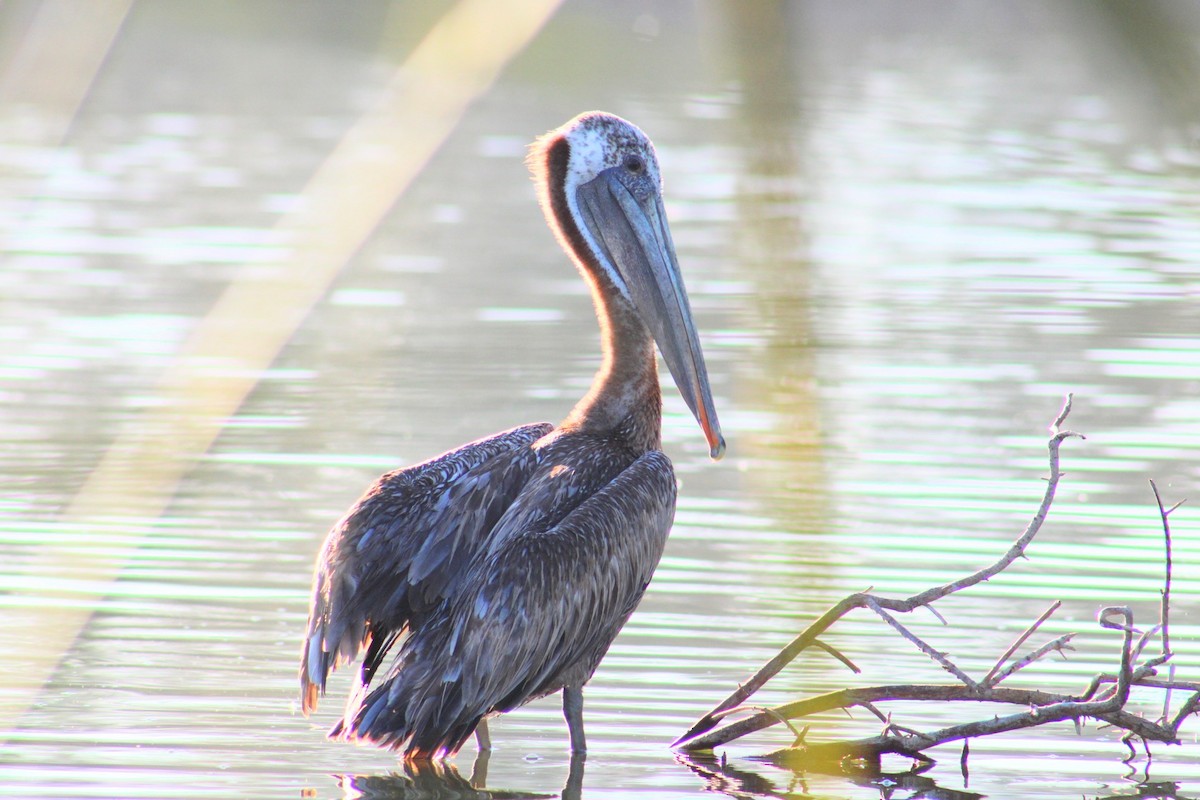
(535, 612)
(400, 547)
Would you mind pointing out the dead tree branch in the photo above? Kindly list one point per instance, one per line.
(995, 675)
(1164, 614)
(1104, 698)
(925, 598)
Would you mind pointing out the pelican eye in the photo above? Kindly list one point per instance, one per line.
(634, 165)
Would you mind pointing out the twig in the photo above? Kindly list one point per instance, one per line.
(799, 735)
(869, 706)
(1055, 645)
(936, 655)
(1141, 677)
(990, 679)
(1017, 549)
(1191, 686)
(838, 654)
(1166, 592)
(1144, 640)
(1166, 714)
(937, 614)
(1190, 707)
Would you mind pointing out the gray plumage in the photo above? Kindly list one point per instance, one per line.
(502, 571)
(518, 597)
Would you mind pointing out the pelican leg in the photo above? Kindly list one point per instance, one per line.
(573, 711)
(482, 737)
(573, 790)
(479, 769)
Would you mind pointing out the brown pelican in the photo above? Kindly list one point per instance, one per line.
(501, 572)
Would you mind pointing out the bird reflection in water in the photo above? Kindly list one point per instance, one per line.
(439, 780)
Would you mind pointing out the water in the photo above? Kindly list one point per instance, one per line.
(906, 237)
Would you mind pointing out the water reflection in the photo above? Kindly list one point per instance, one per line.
(772, 246)
(436, 781)
(726, 778)
(1151, 790)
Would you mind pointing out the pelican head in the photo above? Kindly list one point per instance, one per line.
(602, 194)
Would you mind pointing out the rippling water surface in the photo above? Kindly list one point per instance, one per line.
(906, 237)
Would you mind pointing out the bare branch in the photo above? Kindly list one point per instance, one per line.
(1166, 714)
(1104, 698)
(780, 718)
(871, 707)
(936, 655)
(1063, 413)
(1067, 709)
(1144, 640)
(1191, 686)
(838, 654)
(1056, 645)
(1190, 707)
(990, 679)
(859, 600)
(937, 614)
(1166, 592)
(1044, 707)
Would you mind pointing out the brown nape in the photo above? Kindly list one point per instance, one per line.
(624, 397)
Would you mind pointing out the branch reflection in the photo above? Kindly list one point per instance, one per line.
(724, 777)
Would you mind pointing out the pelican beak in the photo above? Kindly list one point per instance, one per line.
(634, 235)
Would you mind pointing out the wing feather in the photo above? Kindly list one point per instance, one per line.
(396, 552)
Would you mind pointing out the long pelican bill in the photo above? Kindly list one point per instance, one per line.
(634, 235)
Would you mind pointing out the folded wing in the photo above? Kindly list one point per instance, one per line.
(398, 551)
(537, 612)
